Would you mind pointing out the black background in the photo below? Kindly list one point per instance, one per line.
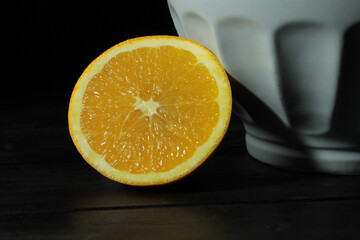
(47, 191)
(48, 44)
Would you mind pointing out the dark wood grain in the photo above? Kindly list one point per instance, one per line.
(286, 220)
(49, 192)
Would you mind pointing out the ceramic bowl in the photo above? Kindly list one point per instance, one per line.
(295, 75)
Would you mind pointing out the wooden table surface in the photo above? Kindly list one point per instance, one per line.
(49, 192)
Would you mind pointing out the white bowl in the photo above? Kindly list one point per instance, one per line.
(295, 75)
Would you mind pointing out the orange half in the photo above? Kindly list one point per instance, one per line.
(150, 110)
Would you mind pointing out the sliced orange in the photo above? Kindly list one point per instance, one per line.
(150, 110)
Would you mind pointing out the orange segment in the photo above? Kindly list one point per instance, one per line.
(150, 110)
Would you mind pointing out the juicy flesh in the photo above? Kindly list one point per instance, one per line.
(149, 109)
